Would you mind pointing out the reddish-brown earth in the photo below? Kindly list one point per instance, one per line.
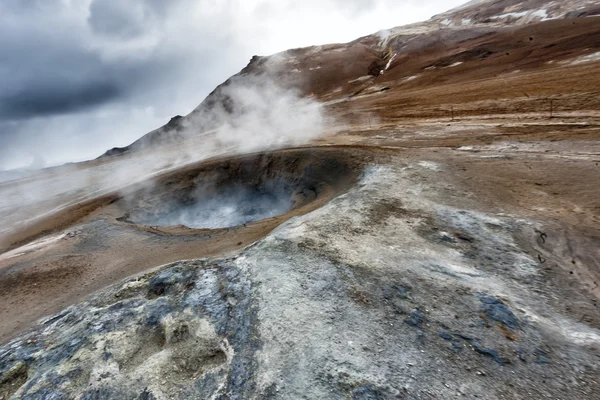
(510, 108)
(516, 90)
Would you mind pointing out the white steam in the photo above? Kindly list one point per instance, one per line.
(233, 207)
(267, 115)
(258, 115)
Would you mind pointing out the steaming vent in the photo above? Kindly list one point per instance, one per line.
(239, 191)
(224, 207)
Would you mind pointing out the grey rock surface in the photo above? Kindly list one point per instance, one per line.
(386, 292)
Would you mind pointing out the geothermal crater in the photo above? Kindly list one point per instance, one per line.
(219, 208)
(200, 210)
(238, 191)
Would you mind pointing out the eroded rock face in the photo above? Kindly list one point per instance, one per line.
(386, 292)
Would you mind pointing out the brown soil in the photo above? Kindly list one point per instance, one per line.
(516, 126)
(101, 249)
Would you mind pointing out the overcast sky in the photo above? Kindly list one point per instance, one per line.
(78, 77)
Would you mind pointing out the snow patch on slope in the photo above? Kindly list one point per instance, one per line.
(529, 15)
(389, 63)
(585, 59)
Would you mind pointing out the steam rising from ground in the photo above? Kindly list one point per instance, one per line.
(228, 208)
(258, 113)
(254, 114)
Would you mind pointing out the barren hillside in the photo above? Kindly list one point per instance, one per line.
(438, 238)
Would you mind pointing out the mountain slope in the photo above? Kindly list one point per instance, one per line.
(441, 238)
(480, 40)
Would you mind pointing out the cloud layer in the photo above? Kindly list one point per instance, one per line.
(80, 76)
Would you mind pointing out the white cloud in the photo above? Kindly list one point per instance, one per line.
(164, 56)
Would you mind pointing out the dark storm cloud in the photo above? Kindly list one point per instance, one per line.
(56, 97)
(40, 78)
(78, 77)
(40, 75)
(53, 61)
(50, 66)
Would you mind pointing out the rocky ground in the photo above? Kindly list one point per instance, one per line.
(385, 292)
(445, 244)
